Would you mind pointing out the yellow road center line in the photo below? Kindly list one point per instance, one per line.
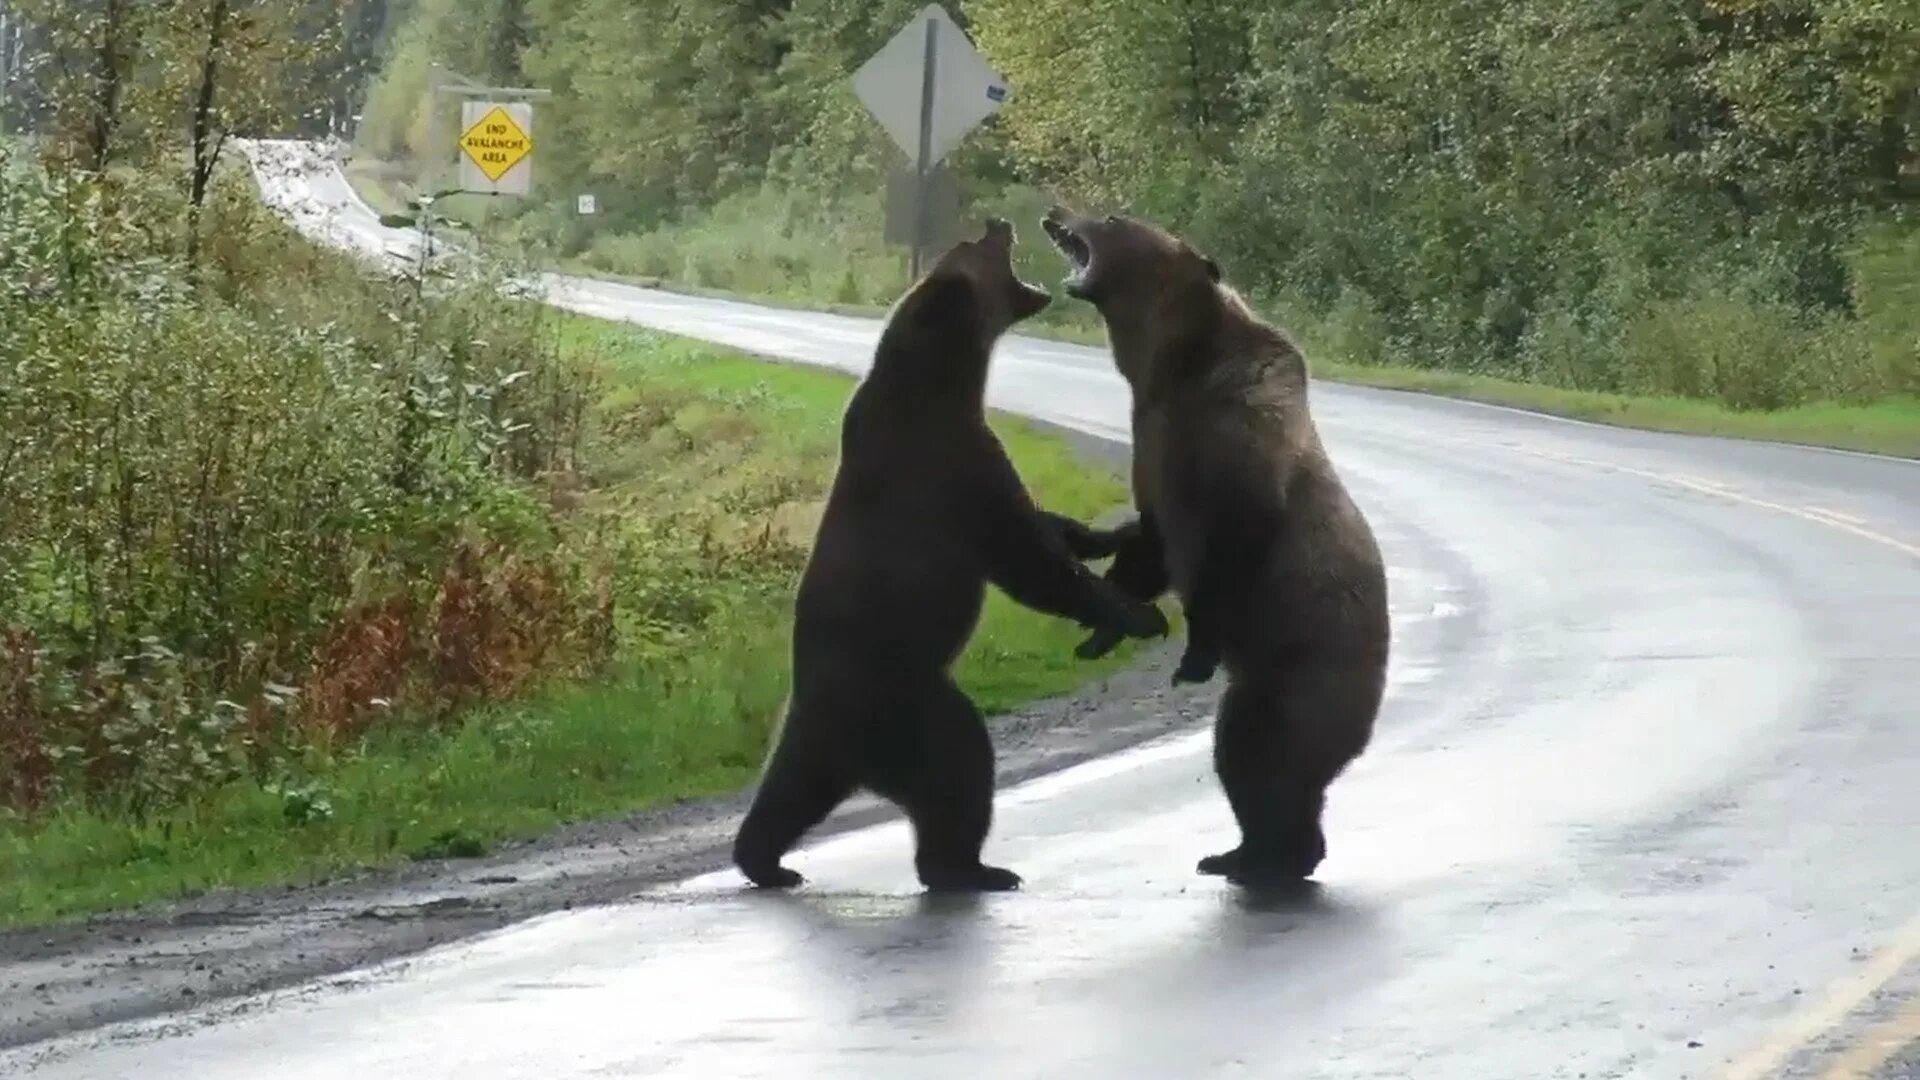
(1847, 993)
(1874, 1051)
(1706, 487)
(1841, 999)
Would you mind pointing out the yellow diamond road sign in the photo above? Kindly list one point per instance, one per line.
(496, 144)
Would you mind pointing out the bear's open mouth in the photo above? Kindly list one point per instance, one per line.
(1078, 252)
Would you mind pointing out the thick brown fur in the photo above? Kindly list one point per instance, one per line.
(1240, 513)
(924, 511)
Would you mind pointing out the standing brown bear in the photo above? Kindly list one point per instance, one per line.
(924, 511)
(1243, 515)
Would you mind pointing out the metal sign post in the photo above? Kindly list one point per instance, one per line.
(957, 90)
(928, 67)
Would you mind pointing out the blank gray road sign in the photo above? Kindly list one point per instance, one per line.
(943, 211)
(965, 92)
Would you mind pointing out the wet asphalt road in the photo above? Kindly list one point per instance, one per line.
(1644, 803)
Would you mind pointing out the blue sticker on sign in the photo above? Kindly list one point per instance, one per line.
(996, 93)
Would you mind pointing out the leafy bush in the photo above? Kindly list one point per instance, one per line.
(246, 502)
(1672, 202)
(1886, 293)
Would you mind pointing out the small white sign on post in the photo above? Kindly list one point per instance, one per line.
(496, 147)
(928, 87)
(585, 205)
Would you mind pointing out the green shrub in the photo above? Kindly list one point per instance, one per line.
(1886, 295)
(247, 497)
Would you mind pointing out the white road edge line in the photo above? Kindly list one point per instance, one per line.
(1578, 422)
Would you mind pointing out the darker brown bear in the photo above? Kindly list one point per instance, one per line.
(924, 511)
(1242, 514)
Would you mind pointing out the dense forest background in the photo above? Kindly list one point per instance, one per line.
(1697, 198)
(1702, 198)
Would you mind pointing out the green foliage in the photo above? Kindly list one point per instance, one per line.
(1691, 196)
(704, 472)
(207, 479)
(1886, 293)
(764, 242)
(156, 84)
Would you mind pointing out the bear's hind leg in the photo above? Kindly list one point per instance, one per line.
(946, 789)
(800, 788)
(1275, 779)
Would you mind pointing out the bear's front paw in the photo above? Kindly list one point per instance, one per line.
(1196, 666)
(1098, 644)
(1143, 620)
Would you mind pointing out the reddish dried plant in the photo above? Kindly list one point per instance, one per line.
(359, 670)
(26, 763)
(496, 622)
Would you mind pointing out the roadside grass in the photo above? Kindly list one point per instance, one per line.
(1890, 426)
(1017, 655)
(692, 440)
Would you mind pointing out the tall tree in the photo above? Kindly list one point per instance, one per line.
(258, 67)
(79, 57)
